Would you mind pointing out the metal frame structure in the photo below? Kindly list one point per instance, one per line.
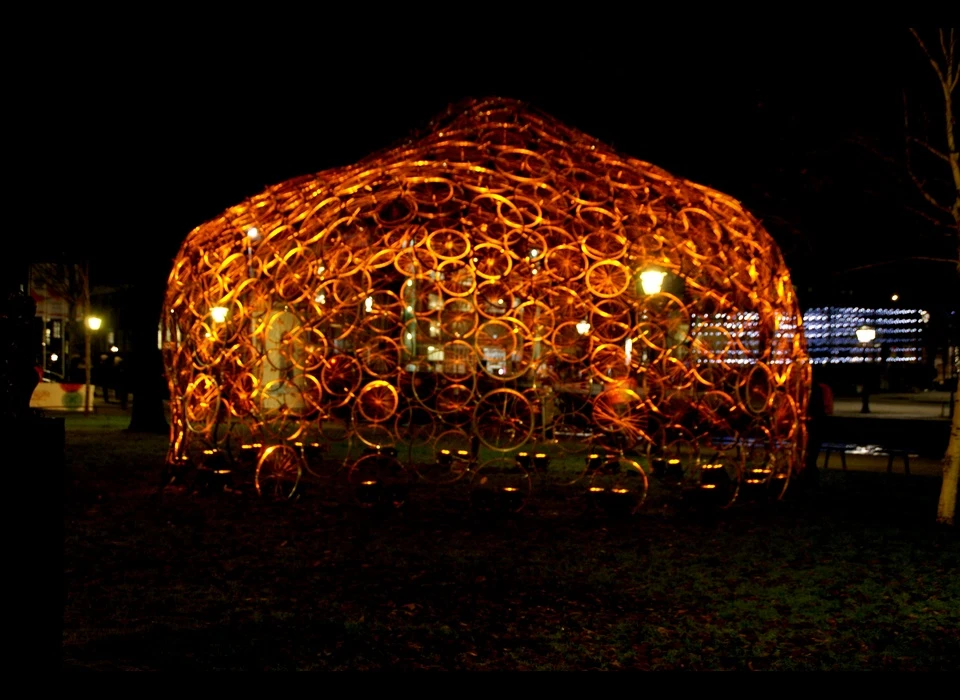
(499, 293)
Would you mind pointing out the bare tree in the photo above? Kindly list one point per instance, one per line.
(942, 197)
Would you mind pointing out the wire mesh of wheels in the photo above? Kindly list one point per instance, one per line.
(499, 301)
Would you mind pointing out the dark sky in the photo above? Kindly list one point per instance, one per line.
(160, 140)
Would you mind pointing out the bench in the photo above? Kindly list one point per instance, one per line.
(892, 453)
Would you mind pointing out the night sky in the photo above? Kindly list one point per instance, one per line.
(162, 138)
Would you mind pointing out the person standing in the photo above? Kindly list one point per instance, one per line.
(120, 381)
(820, 406)
(101, 376)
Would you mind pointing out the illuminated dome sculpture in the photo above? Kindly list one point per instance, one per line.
(501, 293)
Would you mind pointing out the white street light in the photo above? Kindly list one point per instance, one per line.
(114, 348)
(583, 327)
(94, 323)
(368, 304)
(218, 314)
(895, 297)
(866, 334)
(652, 281)
(253, 233)
(54, 357)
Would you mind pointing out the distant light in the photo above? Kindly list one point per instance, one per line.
(114, 348)
(925, 317)
(54, 357)
(252, 233)
(866, 334)
(628, 349)
(321, 299)
(430, 349)
(895, 297)
(409, 336)
(652, 281)
(368, 304)
(583, 327)
(219, 314)
(534, 252)
(410, 309)
(94, 323)
(501, 371)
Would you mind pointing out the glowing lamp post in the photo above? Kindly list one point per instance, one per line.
(94, 323)
(652, 281)
(865, 336)
(218, 314)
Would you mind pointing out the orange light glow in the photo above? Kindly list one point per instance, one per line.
(596, 489)
(500, 282)
(509, 489)
(620, 491)
(368, 483)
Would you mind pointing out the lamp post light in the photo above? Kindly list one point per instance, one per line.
(94, 323)
(865, 336)
(652, 281)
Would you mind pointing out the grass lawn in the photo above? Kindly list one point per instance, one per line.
(852, 577)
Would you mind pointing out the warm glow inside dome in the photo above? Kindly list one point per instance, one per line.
(501, 283)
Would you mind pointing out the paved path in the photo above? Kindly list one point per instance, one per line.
(933, 405)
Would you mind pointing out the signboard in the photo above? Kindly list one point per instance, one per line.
(63, 397)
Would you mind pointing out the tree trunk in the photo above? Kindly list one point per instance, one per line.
(951, 469)
(147, 381)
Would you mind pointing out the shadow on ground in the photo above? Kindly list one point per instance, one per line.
(852, 576)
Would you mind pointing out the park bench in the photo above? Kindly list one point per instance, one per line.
(842, 448)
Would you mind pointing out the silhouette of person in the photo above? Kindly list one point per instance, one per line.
(820, 406)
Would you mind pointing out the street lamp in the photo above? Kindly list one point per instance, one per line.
(219, 314)
(583, 327)
(94, 323)
(652, 281)
(865, 336)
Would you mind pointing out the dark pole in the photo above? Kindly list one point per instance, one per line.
(865, 393)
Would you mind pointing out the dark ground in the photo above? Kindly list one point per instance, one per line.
(852, 577)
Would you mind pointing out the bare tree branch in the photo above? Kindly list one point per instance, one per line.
(936, 66)
(900, 260)
(934, 151)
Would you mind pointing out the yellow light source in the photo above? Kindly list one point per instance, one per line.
(652, 281)
(114, 348)
(94, 323)
(509, 489)
(218, 314)
(866, 334)
(895, 297)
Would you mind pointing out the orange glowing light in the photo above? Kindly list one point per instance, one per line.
(620, 491)
(596, 489)
(509, 489)
(368, 483)
(501, 278)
